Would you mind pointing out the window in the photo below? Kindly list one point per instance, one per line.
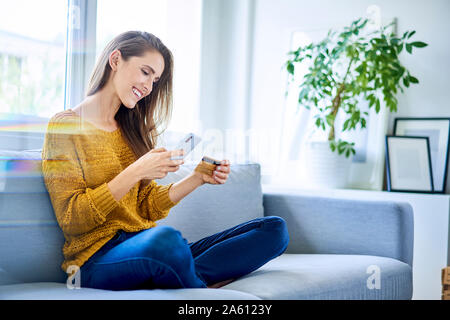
(32, 57)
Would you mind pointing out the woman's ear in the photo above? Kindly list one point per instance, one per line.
(114, 58)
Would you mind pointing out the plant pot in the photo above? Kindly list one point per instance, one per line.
(326, 169)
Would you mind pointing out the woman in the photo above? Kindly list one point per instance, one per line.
(99, 165)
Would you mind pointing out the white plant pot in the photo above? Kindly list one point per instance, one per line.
(326, 169)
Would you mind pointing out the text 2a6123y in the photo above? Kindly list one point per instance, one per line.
(246, 309)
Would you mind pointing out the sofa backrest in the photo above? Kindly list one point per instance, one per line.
(31, 240)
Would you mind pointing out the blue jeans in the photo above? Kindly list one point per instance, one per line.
(161, 258)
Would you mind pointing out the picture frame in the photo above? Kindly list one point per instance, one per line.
(408, 164)
(438, 132)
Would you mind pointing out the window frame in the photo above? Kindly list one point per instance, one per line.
(80, 53)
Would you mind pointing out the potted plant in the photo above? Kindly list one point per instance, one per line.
(346, 68)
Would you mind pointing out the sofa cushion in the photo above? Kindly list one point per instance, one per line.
(328, 276)
(30, 238)
(290, 276)
(59, 291)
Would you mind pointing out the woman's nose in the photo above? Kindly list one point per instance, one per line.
(147, 89)
(149, 86)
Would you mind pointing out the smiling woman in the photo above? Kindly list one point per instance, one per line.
(103, 190)
(125, 59)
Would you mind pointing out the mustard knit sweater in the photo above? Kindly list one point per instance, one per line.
(78, 160)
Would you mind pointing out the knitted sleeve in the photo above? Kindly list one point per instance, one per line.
(154, 202)
(78, 209)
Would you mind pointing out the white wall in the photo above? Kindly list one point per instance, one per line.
(226, 59)
(275, 20)
(225, 77)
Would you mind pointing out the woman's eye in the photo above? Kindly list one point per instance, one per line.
(144, 72)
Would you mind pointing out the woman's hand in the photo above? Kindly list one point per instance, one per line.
(207, 174)
(156, 163)
(219, 175)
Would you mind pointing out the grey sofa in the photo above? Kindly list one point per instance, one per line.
(339, 249)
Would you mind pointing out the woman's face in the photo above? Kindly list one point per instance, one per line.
(133, 79)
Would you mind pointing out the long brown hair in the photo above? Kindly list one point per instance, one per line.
(139, 125)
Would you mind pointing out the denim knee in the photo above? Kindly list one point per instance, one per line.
(277, 228)
(169, 246)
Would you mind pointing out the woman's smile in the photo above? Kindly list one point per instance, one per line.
(137, 93)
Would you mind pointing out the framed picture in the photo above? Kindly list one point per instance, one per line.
(437, 130)
(408, 164)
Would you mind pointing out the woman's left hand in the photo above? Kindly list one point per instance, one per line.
(219, 175)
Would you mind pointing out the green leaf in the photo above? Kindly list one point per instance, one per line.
(290, 67)
(419, 44)
(363, 24)
(393, 106)
(318, 121)
(372, 100)
(409, 47)
(413, 79)
(411, 34)
(406, 81)
(363, 123)
(360, 68)
(356, 22)
(346, 124)
(333, 146)
(377, 106)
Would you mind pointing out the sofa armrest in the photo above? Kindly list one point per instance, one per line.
(342, 226)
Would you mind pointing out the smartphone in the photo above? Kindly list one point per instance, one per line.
(210, 160)
(188, 143)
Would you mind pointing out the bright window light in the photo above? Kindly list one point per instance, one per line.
(32, 57)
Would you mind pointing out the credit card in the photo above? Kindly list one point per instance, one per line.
(210, 160)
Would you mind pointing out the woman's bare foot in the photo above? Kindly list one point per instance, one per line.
(220, 284)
